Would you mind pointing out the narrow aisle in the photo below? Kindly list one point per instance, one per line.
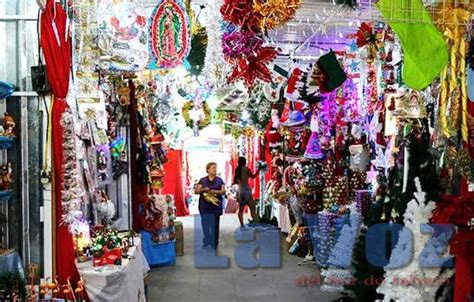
(185, 282)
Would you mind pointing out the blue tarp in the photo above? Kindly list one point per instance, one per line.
(158, 254)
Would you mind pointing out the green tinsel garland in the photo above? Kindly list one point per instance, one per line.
(197, 53)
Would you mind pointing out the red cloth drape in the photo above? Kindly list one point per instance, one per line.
(139, 192)
(57, 54)
(173, 181)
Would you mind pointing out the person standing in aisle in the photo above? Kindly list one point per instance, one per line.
(211, 190)
(242, 175)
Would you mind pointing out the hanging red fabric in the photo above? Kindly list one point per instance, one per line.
(173, 181)
(56, 45)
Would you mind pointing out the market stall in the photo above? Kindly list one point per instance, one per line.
(350, 121)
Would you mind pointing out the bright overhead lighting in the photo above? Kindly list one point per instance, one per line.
(341, 35)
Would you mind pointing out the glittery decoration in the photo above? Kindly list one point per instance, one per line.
(275, 13)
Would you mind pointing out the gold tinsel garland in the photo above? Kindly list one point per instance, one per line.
(453, 102)
(275, 13)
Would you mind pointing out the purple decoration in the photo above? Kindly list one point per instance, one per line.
(362, 199)
(237, 44)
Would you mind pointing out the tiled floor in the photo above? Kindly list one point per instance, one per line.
(185, 282)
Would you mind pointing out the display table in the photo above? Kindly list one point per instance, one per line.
(116, 283)
(11, 262)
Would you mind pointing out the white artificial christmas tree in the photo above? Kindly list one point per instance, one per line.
(338, 274)
(412, 282)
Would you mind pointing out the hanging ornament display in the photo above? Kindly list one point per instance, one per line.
(169, 35)
(241, 14)
(453, 101)
(197, 53)
(199, 117)
(215, 66)
(259, 108)
(243, 46)
(71, 192)
(251, 68)
(123, 36)
(238, 44)
(275, 13)
(198, 43)
(196, 111)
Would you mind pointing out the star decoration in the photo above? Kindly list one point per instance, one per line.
(253, 67)
(353, 46)
(372, 175)
(354, 66)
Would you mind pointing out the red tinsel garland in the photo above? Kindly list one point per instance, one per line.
(241, 13)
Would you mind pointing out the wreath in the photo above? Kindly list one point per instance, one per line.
(188, 106)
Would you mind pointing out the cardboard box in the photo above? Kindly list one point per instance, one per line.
(179, 237)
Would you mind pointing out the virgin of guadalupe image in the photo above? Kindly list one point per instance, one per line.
(170, 30)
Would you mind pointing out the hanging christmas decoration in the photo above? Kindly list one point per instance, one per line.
(241, 14)
(197, 53)
(275, 13)
(215, 66)
(169, 34)
(199, 117)
(422, 64)
(254, 67)
(121, 40)
(368, 36)
(259, 108)
(238, 44)
(196, 111)
(453, 101)
(71, 191)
